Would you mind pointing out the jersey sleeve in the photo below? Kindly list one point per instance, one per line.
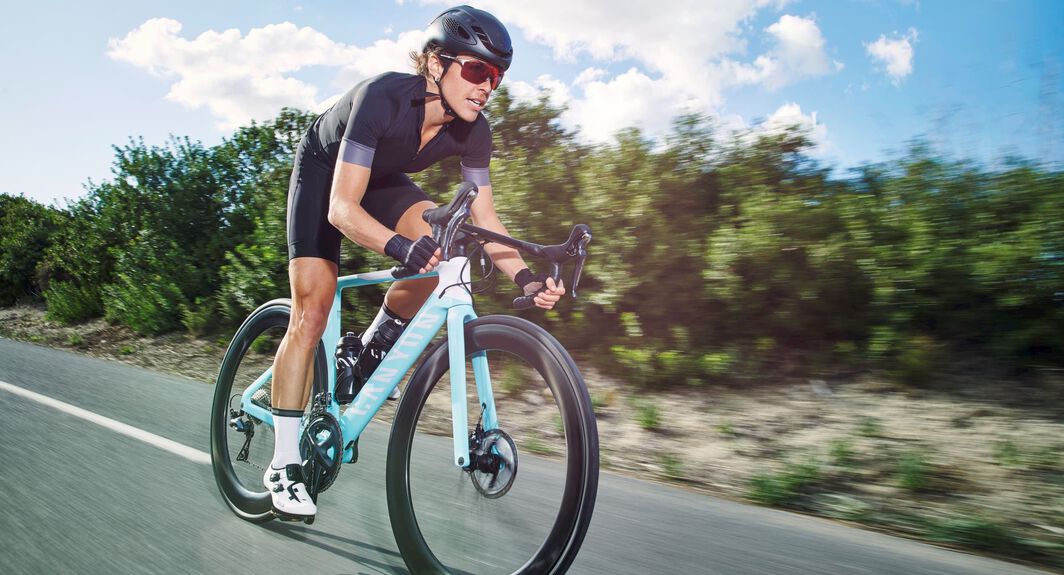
(370, 111)
(476, 158)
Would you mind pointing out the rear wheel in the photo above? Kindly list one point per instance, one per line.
(242, 445)
(525, 502)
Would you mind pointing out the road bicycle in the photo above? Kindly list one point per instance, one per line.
(504, 494)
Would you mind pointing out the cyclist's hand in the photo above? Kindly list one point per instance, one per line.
(421, 256)
(540, 285)
(550, 294)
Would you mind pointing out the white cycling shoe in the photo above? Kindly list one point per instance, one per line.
(289, 492)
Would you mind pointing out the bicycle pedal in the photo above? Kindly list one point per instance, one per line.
(288, 518)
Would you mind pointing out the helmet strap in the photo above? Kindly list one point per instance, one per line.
(439, 86)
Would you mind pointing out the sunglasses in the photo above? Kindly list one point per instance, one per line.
(477, 72)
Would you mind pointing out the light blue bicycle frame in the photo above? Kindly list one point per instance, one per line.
(450, 302)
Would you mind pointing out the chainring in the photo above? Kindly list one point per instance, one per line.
(321, 447)
(494, 465)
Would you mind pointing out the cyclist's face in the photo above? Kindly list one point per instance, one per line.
(466, 98)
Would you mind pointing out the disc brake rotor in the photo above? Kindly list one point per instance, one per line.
(494, 464)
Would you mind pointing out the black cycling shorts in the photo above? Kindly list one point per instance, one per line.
(309, 232)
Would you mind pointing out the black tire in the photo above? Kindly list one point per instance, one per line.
(549, 524)
(240, 482)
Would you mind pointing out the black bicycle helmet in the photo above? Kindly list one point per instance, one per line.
(464, 29)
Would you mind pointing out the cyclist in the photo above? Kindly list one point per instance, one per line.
(349, 179)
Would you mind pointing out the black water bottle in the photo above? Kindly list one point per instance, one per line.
(387, 333)
(348, 383)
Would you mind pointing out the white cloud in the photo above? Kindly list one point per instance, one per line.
(676, 38)
(790, 115)
(242, 77)
(681, 56)
(597, 108)
(798, 53)
(896, 54)
(685, 51)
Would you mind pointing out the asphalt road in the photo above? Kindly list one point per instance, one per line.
(80, 497)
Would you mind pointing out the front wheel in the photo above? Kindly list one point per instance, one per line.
(526, 503)
(242, 445)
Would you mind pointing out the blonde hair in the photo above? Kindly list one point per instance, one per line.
(420, 60)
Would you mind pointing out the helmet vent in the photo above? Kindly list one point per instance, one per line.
(457, 30)
(482, 35)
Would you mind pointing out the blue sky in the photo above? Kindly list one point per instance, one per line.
(979, 79)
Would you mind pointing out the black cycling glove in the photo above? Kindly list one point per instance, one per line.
(412, 255)
(530, 283)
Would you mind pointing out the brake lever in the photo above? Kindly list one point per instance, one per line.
(581, 254)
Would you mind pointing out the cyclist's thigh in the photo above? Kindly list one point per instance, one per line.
(390, 198)
(309, 232)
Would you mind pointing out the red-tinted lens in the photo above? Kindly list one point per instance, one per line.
(476, 72)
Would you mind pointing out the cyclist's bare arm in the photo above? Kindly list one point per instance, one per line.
(508, 260)
(345, 208)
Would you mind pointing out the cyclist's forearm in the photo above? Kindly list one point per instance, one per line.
(355, 222)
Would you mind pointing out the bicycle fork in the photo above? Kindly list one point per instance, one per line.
(457, 316)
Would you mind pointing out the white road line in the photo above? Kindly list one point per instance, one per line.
(127, 430)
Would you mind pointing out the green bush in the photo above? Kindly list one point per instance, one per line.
(1006, 453)
(842, 452)
(919, 359)
(26, 229)
(912, 471)
(785, 486)
(635, 364)
(672, 467)
(70, 303)
(148, 307)
(869, 427)
(201, 318)
(648, 415)
(975, 532)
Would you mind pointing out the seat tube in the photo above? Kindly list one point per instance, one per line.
(456, 318)
(330, 338)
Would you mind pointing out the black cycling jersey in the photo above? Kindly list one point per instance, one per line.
(379, 124)
(381, 119)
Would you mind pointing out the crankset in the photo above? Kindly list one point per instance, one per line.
(322, 450)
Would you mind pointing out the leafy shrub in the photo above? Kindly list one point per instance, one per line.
(200, 318)
(919, 358)
(785, 486)
(672, 467)
(912, 471)
(726, 428)
(648, 415)
(26, 228)
(869, 427)
(148, 307)
(975, 532)
(71, 303)
(842, 452)
(1006, 453)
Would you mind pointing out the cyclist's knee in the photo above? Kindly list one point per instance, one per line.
(411, 224)
(307, 325)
